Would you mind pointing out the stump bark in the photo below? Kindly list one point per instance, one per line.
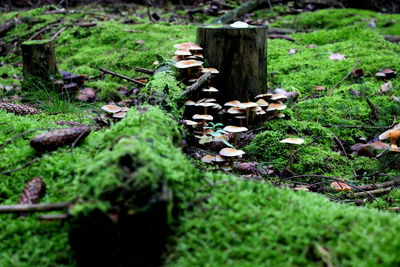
(39, 62)
(240, 55)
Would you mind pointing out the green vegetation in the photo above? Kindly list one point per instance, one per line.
(215, 219)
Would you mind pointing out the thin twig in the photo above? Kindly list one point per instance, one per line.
(329, 178)
(345, 77)
(122, 76)
(21, 167)
(57, 34)
(34, 207)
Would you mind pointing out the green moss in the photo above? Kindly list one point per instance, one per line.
(248, 224)
(35, 42)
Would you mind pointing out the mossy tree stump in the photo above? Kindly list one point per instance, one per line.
(39, 62)
(240, 55)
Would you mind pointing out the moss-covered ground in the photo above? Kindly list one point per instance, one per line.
(232, 222)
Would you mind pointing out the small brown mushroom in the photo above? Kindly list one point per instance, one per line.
(292, 141)
(231, 153)
(111, 108)
(235, 130)
(393, 135)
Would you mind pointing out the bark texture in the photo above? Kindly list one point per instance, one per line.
(240, 55)
(39, 61)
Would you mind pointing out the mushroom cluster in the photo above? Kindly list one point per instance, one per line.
(266, 107)
(114, 112)
(394, 137)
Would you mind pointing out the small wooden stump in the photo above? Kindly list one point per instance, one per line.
(39, 62)
(240, 54)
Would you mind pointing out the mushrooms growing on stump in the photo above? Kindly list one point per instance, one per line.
(189, 65)
(292, 141)
(231, 153)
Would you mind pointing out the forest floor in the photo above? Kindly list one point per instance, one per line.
(145, 175)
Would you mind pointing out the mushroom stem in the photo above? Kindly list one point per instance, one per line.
(291, 157)
(247, 116)
(234, 139)
(232, 161)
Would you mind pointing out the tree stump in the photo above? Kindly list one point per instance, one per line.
(39, 62)
(240, 55)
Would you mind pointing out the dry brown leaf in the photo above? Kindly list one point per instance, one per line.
(337, 56)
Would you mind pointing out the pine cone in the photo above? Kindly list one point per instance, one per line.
(58, 138)
(33, 191)
(19, 109)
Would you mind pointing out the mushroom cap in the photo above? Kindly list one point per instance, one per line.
(248, 105)
(111, 108)
(202, 117)
(235, 110)
(234, 103)
(230, 152)
(256, 108)
(275, 97)
(217, 106)
(338, 186)
(198, 55)
(190, 103)
(392, 133)
(188, 45)
(183, 52)
(124, 109)
(205, 104)
(262, 103)
(210, 90)
(208, 100)
(276, 106)
(293, 141)
(226, 168)
(190, 123)
(119, 115)
(239, 24)
(208, 158)
(261, 112)
(201, 100)
(280, 115)
(235, 129)
(184, 64)
(219, 158)
(263, 96)
(212, 70)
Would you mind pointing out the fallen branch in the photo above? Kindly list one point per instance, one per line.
(54, 217)
(356, 126)
(199, 83)
(367, 193)
(280, 31)
(239, 11)
(373, 192)
(145, 71)
(392, 38)
(122, 76)
(374, 109)
(280, 36)
(345, 77)
(9, 25)
(381, 185)
(34, 207)
(57, 34)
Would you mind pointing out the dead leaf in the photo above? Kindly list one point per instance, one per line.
(337, 56)
(319, 88)
(86, 24)
(357, 73)
(311, 46)
(396, 98)
(139, 42)
(292, 51)
(386, 87)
